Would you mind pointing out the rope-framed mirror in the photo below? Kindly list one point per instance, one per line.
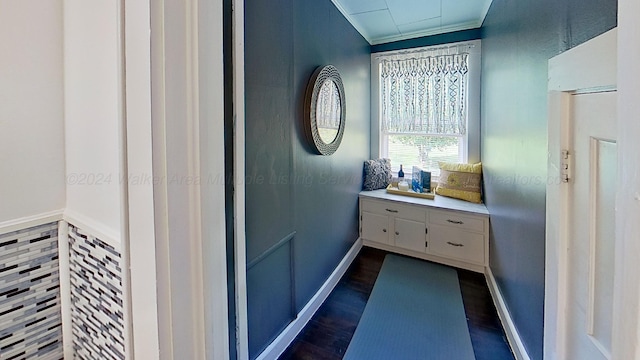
(325, 110)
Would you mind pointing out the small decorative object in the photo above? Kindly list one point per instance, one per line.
(377, 174)
(416, 179)
(325, 110)
(461, 181)
(413, 189)
(426, 181)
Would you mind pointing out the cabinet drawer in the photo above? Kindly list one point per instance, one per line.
(456, 244)
(457, 221)
(394, 209)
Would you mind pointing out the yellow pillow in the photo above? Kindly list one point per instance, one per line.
(460, 181)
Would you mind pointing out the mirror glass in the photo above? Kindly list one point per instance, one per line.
(328, 111)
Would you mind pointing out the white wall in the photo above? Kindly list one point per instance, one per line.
(31, 111)
(93, 107)
(62, 117)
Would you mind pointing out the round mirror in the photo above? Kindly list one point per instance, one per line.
(325, 110)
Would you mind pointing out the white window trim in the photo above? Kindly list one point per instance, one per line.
(471, 152)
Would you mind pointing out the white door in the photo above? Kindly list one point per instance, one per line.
(591, 225)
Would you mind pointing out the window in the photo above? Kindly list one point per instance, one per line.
(426, 104)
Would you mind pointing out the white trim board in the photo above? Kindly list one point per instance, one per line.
(209, 95)
(593, 54)
(191, 275)
(93, 227)
(626, 321)
(239, 203)
(280, 344)
(64, 268)
(138, 218)
(30, 221)
(517, 346)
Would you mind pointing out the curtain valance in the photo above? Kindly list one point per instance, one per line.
(425, 94)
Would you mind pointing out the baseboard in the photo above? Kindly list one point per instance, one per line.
(280, 344)
(517, 346)
(30, 221)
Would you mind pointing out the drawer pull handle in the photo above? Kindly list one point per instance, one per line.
(454, 244)
(384, 230)
(397, 233)
(392, 211)
(455, 221)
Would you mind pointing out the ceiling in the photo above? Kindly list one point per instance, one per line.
(381, 21)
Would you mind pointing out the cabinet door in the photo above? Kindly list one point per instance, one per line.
(375, 227)
(410, 234)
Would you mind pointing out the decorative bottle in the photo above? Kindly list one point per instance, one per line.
(400, 174)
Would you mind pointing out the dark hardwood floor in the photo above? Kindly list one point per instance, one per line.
(328, 333)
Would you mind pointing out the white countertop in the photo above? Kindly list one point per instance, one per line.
(439, 202)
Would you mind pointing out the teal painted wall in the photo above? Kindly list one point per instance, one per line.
(446, 38)
(518, 38)
(301, 208)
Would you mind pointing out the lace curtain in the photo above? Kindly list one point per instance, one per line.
(425, 94)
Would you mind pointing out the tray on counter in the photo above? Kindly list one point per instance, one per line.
(396, 191)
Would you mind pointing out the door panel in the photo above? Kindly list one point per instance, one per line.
(410, 234)
(375, 227)
(604, 157)
(591, 225)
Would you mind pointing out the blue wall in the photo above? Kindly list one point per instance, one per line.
(518, 38)
(301, 208)
(439, 39)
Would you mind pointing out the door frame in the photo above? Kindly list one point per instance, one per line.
(240, 239)
(589, 67)
(187, 93)
(626, 319)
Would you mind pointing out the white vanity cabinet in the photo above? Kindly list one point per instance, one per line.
(393, 224)
(444, 230)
